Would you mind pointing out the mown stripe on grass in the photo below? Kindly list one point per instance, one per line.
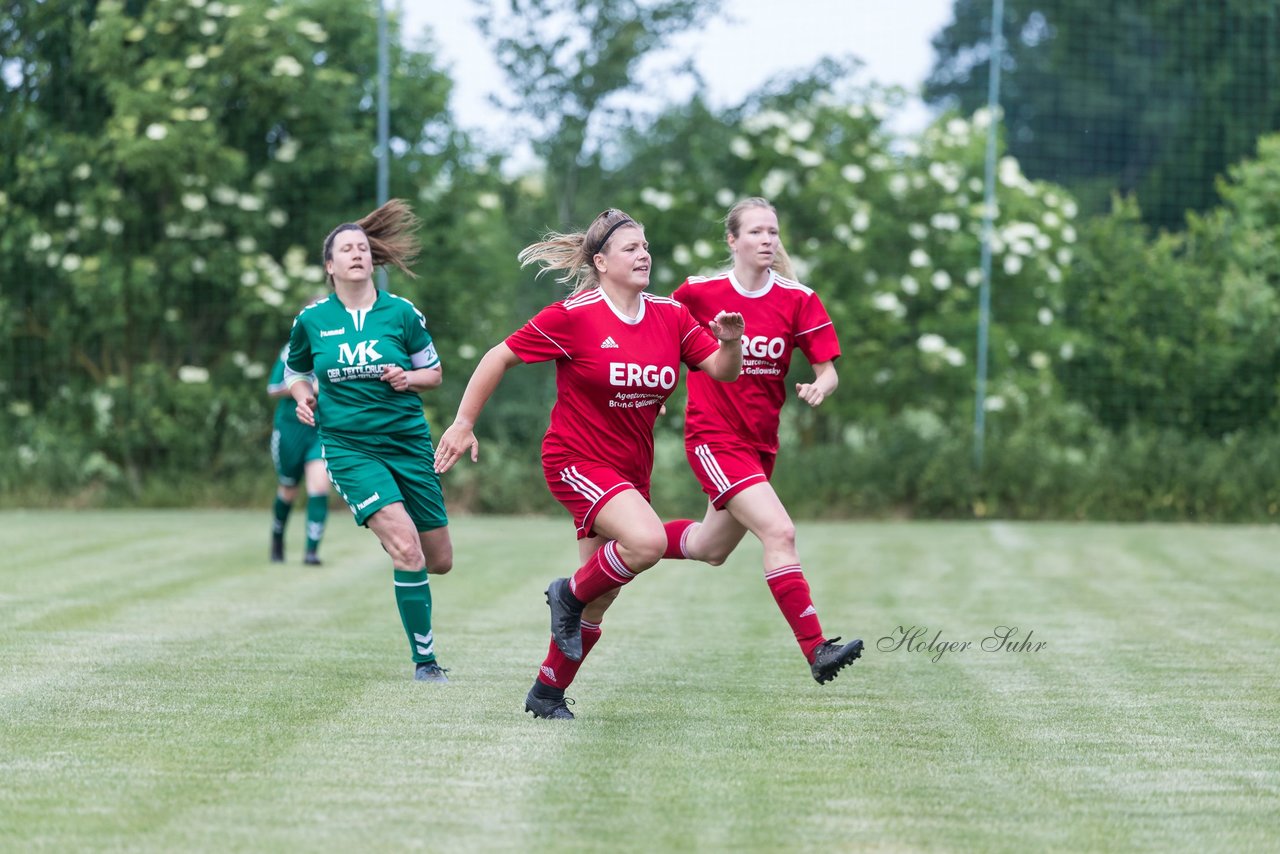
(269, 708)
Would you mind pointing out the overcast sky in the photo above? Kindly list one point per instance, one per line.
(736, 54)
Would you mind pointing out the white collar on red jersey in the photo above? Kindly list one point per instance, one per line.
(632, 321)
(768, 285)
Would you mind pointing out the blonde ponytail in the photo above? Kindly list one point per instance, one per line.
(733, 224)
(574, 254)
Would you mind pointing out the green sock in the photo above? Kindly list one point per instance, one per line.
(317, 513)
(413, 598)
(280, 515)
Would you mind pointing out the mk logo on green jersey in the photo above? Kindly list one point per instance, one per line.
(362, 354)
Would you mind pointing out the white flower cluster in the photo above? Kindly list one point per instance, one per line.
(268, 279)
(657, 199)
(935, 345)
(313, 31)
(286, 66)
(296, 266)
(193, 374)
(252, 370)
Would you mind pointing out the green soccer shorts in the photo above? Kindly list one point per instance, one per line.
(292, 447)
(381, 470)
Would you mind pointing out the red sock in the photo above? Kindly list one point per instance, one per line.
(791, 592)
(677, 531)
(603, 571)
(557, 670)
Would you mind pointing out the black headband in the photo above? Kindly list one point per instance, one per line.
(617, 225)
(333, 235)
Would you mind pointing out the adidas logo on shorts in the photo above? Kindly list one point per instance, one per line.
(608, 343)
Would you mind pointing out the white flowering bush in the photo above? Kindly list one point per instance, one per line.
(888, 231)
(176, 166)
(1131, 375)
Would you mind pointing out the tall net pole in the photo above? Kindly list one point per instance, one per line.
(988, 219)
(384, 119)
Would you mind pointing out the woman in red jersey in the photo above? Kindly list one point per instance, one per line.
(618, 352)
(731, 431)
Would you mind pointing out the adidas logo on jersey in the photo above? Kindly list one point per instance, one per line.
(608, 343)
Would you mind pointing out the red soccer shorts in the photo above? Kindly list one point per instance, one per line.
(726, 467)
(584, 488)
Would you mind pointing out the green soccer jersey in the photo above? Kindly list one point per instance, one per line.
(347, 350)
(285, 406)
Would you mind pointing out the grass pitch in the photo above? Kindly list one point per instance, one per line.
(164, 688)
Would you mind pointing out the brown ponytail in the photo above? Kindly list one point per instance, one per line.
(392, 234)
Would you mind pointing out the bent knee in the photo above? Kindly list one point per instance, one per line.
(714, 550)
(644, 549)
(780, 534)
(715, 558)
(406, 553)
(441, 567)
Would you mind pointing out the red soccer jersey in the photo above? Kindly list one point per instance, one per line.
(612, 373)
(781, 316)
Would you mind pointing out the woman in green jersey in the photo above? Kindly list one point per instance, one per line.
(370, 355)
(295, 451)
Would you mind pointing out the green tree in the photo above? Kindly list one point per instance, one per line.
(886, 229)
(1131, 97)
(567, 60)
(170, 169)
(1178, 331)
